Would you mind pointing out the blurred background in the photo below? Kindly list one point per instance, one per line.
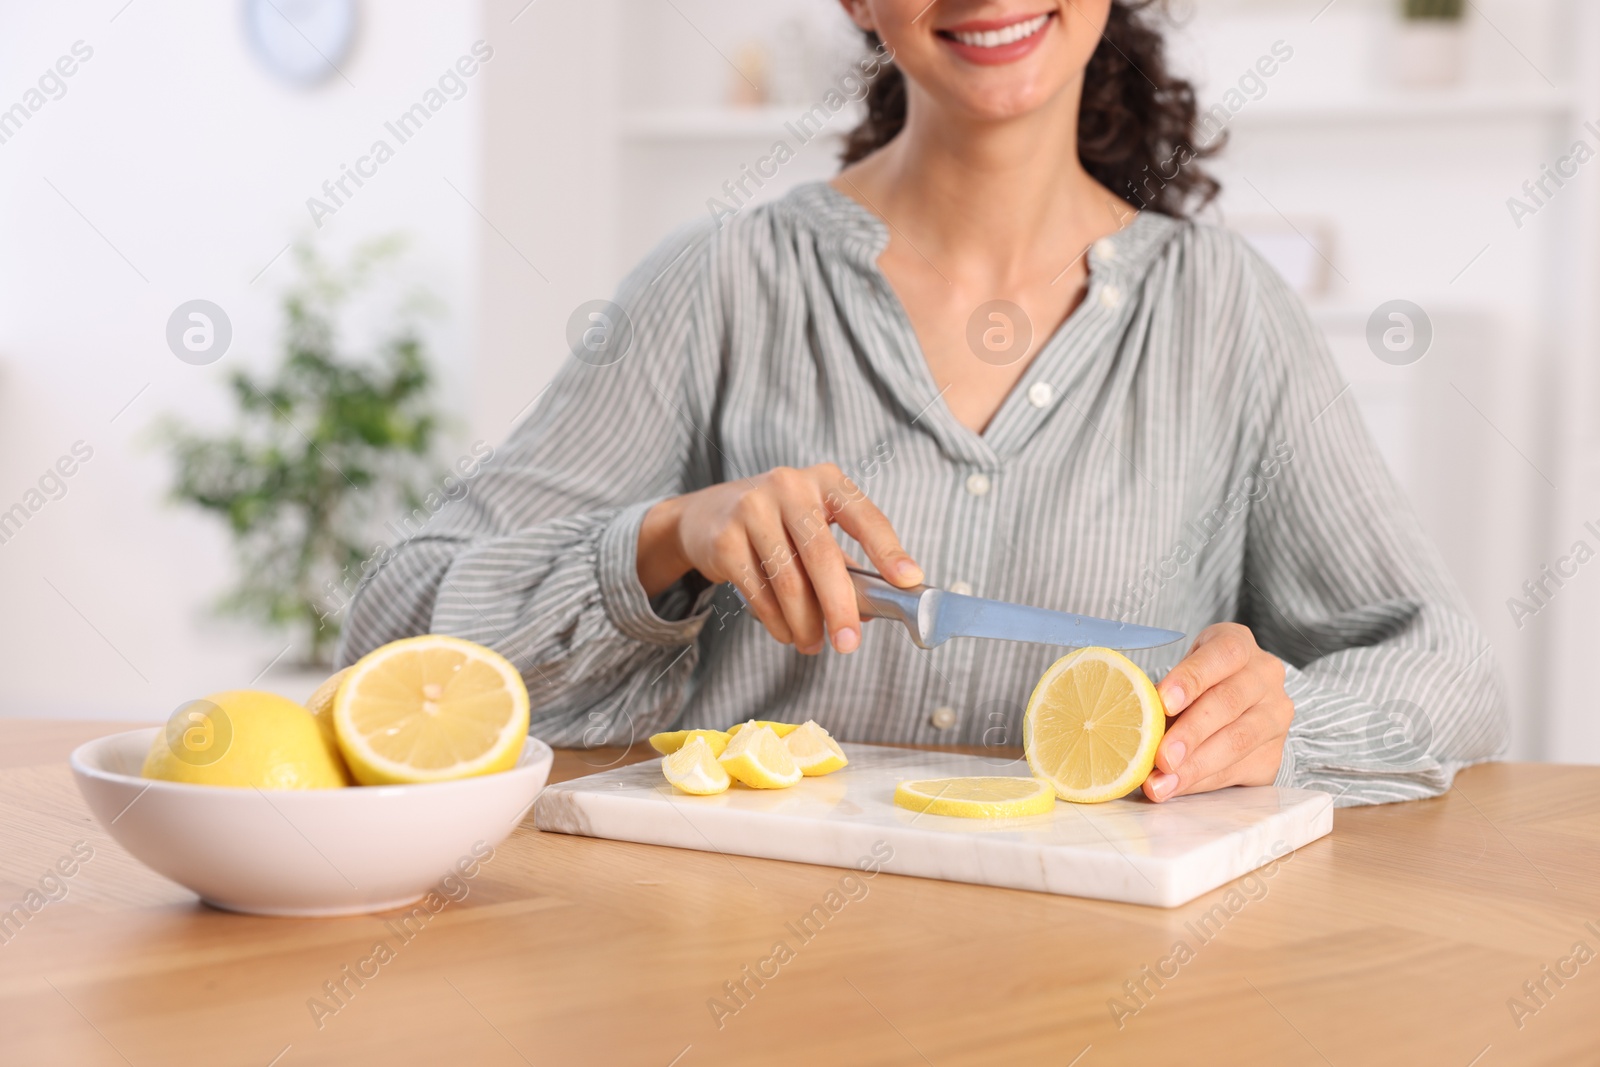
(275, 275)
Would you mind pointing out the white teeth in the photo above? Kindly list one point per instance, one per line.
(1011, 34)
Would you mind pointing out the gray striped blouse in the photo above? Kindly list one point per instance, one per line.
(1181, 451)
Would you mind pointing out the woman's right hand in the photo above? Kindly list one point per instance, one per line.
(769, 536)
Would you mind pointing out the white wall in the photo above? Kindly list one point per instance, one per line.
(193, 165)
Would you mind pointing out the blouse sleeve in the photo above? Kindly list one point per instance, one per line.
(1394, 685)
(537, 559)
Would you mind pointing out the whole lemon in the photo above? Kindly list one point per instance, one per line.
(245, 738)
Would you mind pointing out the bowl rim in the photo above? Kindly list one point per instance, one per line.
(536, 755)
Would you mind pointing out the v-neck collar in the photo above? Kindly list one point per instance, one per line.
(1117, 264)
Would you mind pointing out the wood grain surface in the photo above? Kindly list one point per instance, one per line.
(1462, 931)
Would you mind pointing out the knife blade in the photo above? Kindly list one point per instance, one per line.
(933, 616)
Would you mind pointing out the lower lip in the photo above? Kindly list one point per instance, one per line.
(1006, 53)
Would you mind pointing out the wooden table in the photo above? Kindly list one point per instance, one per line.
(1404, 937)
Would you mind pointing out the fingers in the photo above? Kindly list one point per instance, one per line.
(830, 581)
(739, 564)
(780, 567)
(1219, 651)
(1223, 749)
(1215, 710)
(1258, 767)
(1228, 716)
(771, 537)
(861, 519)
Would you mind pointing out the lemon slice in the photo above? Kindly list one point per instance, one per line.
(782, 729)
(429, 709)
(693, 768)
(671, 742)
(758, 759)
(977, 798)
(1092, 726)
(814, 751)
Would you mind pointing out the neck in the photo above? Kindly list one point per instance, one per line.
(1000, 196)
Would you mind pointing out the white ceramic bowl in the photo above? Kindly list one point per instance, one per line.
(302, 852)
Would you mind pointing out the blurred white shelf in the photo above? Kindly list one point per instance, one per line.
(1413, 105)
(727, 123)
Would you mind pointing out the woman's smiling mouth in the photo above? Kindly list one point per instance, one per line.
(993, 41)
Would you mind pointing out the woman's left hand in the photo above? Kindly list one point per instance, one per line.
(1232, 716)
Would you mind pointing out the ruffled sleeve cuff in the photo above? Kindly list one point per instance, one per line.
(675, 617)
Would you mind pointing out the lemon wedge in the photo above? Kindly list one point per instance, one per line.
(977, 798)
(245, 738)
(693, 768)
(758, 759)
(1092, 726)
(782, 729)
(672, 741)
(814, 751)
(430, 709)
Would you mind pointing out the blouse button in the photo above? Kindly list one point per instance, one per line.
(977, 484)
(961, 588)
(1110, 297)
(1040, 394)
(943, 717)
(1106, 248)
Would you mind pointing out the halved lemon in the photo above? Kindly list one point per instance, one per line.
(673, 740)
(814, 751)
(693, 768)
(1092, 726)
(782, 729)
(977, 798)
(758, 759)
(429, 709)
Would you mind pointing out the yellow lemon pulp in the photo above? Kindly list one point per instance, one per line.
(814, 751)
(429, 709)
(693, 768)
(977, 798)
(672, 741)
(246, 739)
(1092, 726)
(782, 729)
(758, 759)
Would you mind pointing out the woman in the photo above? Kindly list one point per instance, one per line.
(994, 355)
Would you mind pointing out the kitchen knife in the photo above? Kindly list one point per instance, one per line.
(933, 616)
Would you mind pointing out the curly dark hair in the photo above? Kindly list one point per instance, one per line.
(1136, 122)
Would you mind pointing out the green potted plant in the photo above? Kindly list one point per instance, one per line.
(323, 445)
(1431, 43)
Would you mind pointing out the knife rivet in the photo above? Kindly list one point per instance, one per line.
(943, 717)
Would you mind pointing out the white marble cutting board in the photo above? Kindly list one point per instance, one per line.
(1127, 850)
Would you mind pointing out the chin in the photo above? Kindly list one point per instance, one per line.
(1000, 103)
